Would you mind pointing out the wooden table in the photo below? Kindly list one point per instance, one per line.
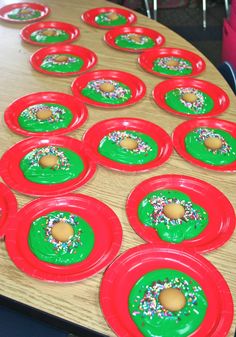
(79, 302)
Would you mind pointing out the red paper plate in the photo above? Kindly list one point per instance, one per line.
(90, 16)
(146, 60)
(78, 109)
(14, 177)
(219, 96)
(221, 219)
(104, 222)
(4, 11)
(94, 135)
(183, 129)
(71, 30)
(137, 86)
(88, 56)
(8, 208)
(111, 36)
(129, 267)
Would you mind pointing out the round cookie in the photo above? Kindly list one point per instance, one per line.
(174, 211)
(172, 299)
(48, 161)
(25, 10)
(44, 114)
(129, 143)
(213, 143)
(61, 58)
(49, 32)
(136, 38)
(107, 87)
(172, 63)
(112, 16)
(189, 97)
(62, 231)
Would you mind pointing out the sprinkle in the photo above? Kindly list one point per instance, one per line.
(72, 243)
(38, 153)
(204, 133)
(135, 313)
(118, 136)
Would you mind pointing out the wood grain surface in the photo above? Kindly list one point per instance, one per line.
(79, 302)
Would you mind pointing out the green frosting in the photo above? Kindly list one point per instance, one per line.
(125, 41)
(46, 248)
(69, 165)
(202, 105)
(146, 151)
(194, 143)
(59, 36)
(161, 66)
(103, 20)
(151, 214)
(24, 13)
(121, 93)
(152, 319)
(73, 63)
(61, 118)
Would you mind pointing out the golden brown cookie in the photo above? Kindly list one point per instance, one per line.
(213, 143)
(172, 63)
(189, 97)
(48, 161)
(129, 143)
(61, 58)
(44, 114)
(172, 299)
(136, 38)
(174, 211)
(62, 231)
(107, 87)
(112, 16)
(49, 32)
(25, 11)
